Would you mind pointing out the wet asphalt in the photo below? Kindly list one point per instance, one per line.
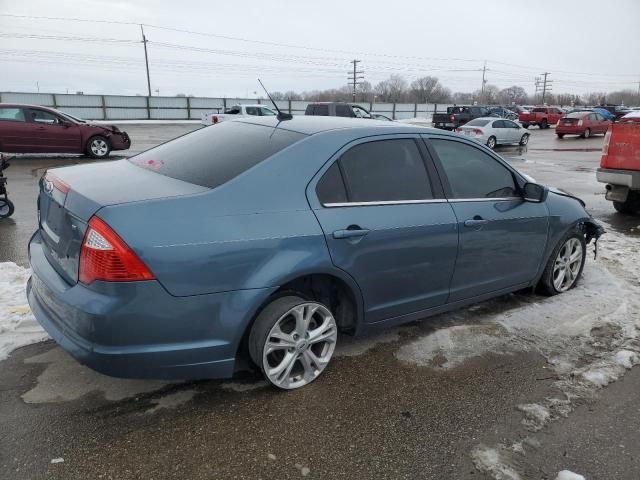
(368, 416)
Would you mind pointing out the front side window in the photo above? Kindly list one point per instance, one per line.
(322, 110)
(12, 114)
(265, 112)
(343, 111)
(473, 173)
(251, 111)
(40, 116)
(385, 170)
(509, 124)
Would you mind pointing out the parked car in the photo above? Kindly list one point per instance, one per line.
(337, 109)
(492, 132)
(631, 117)
(541, 116)
(458, 116)
(382, 223)
(502, 113)
(620, 164)
(583, 124)
(36, 129)
(237, 111)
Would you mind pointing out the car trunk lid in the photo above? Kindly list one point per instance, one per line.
(569, 121)
(70, 196)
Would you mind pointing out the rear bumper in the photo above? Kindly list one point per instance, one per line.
(138, 330)
(570, 130)
(625, 178)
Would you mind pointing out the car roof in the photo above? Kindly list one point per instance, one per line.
(24, 105)
(250, 105)
(312, 124)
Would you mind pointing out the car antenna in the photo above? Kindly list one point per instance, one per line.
(281, 115)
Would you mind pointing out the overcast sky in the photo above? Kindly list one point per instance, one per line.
(587, 45)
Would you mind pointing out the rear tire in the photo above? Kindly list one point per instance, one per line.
(629, 206)
(491, 142)
(292, 341)
(544, 124)
(564, 267)
(98, 147)
(587, 133)
(560, 135)
(6, 208)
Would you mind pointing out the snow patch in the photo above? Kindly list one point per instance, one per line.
(172, 400)
(567, 475)
(18, 326)
(493, 462)
(535, 416)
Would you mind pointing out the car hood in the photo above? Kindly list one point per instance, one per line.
(109, 128)
(564, 193)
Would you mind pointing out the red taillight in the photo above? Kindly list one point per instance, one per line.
(214, 119)
(57, 183)
(458, 130)
(477, 131)
(607, 139)
(580, 123)
(452, 118)
(105, 256)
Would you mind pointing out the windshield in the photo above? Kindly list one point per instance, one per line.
(214, 155)
(477, 123)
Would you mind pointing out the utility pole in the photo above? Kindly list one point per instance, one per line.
(546, 85)
(484, 70)
(355, 76)
(146, 59)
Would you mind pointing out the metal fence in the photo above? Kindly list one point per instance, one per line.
(119, 107)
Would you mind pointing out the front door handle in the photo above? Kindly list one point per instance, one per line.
(476, 221)
(350, 233)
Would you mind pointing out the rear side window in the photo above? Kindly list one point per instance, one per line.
(214, 155)
(385, 170)
(12, 114)
(322, 110)
(331, 188)
(473, 173)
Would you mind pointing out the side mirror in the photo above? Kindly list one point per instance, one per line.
(533, 192)
(66, 124)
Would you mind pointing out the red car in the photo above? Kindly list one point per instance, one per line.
(583, 124)
(35, 129)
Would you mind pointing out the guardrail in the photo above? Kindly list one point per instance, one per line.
(121, 107)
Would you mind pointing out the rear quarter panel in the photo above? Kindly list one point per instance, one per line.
(255, 231)
(624, 147)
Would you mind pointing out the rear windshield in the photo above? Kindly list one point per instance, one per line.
(477, 123)
(577, 114)
(215, 154)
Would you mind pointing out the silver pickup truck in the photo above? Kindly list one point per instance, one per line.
(237, 111)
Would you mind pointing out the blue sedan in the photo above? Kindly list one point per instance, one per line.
(262, 240)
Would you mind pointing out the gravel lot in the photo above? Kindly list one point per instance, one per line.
(509, 389)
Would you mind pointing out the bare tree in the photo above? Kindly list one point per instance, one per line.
(393, 89)
(461, 98)
(513, 95)
(428, 90)
(596, 98)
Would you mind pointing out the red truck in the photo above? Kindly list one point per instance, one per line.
(541, 116)
(620, 165)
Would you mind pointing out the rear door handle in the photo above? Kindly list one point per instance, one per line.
(476, 221)
(350, 233)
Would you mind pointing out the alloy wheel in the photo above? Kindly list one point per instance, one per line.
(299, 345)
(567, 265)
(99, 147)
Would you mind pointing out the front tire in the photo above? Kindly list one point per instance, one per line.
(544, 124)
(6, 208)
(491, 143)
(292, 341)
(98, 147)
(525, 139)
(564, 268)
(560, 135)
(525, 125)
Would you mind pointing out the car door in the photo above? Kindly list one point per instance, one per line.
(16, 134)
(512, 131)
(387, 224)
(55, 134)
(502, 236)
(499, 131)
(601, 124)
